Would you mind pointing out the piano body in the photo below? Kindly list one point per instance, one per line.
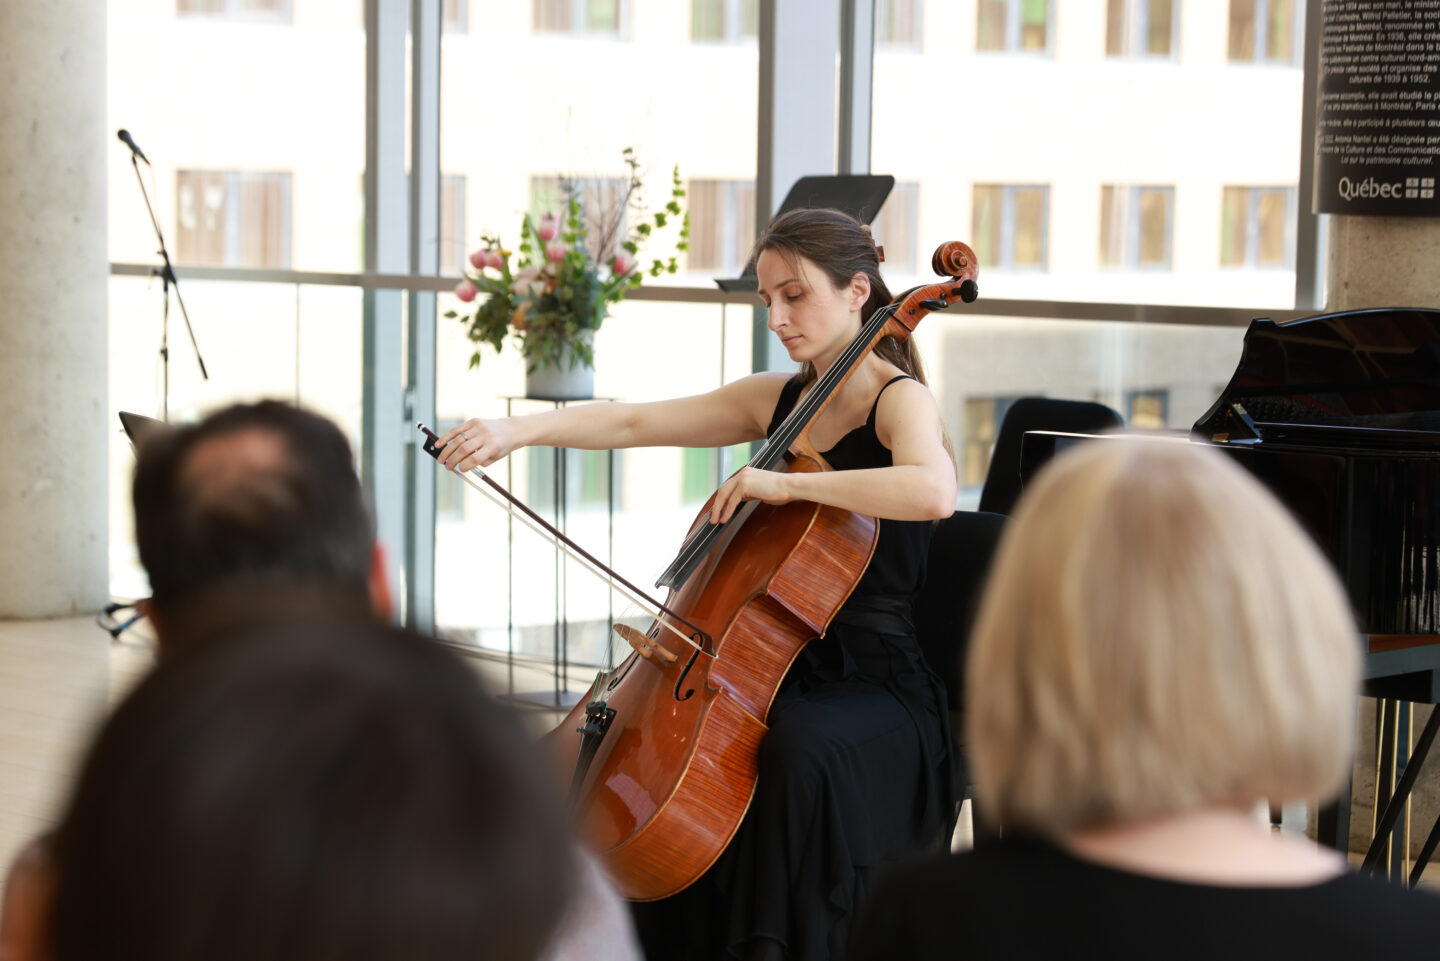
(1339, 415)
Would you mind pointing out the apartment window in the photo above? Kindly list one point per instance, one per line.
(896, 228)
(1013, 26)
(1257, 227)
(981, 423)
(455, 16)
(722, 225)
(1147, 409)
(1136, 226)
(605, 206)
(897, 23)
(232, 218)
(587, 477)
(1265, 31)
(1011, 226)
(578, 16)
(1141, 28)
(724, 21)
(703, 469)
(260, 11)
(452, 253)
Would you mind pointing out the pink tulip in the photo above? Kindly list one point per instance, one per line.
(479, 259)
(555, 251)
(548, 228)
(465, 291)
(623, 263)
(493, 259)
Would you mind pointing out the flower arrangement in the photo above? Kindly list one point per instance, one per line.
(557, 293)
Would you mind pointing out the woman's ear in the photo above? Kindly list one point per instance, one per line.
(859, 290)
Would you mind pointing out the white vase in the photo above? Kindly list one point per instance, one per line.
(572, 379)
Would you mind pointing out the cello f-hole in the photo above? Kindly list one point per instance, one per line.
(683, 674)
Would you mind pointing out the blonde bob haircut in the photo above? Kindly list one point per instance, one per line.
(1158, 635)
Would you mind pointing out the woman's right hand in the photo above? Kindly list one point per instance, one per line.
(476, 443)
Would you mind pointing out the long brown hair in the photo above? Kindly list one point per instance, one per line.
(841, 247)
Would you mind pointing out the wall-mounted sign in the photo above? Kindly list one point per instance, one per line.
(1377, 131)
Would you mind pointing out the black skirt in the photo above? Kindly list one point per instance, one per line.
(857, 770)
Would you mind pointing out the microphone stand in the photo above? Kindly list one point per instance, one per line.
(166, 273)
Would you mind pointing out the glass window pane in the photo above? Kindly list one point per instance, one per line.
(1115, 27)
(1280, 32)
(602, 16)
(1270, 212)
(894, 228)
(1154, 228)
(1111, 226)
(1234, 226)
(553, 14)
(707, 20)
(986, 222)
(1034, 25)
(990, 25)
(749, 18)
(1159, 27)
(977, 440)
(1242, 30)
(454, 245)
(1029, 248)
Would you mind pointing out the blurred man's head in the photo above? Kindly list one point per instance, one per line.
(256, 494)
(335, 789)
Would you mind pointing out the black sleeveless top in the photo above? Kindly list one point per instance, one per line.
(898, 567)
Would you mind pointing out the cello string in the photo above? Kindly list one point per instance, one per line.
(770, 453)
(636, 597)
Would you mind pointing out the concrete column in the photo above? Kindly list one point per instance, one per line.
(1382, 262)
(54, 290)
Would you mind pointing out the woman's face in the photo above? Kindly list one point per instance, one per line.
(813, 319)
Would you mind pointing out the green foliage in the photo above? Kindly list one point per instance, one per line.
(551, 308)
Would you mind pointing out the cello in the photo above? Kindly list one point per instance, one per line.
(670, 739)
(666, 756)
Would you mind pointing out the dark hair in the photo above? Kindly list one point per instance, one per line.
(343, 792)
(260, 490)
(841, 247)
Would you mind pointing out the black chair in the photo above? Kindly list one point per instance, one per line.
(944, 610)
(1002, 481)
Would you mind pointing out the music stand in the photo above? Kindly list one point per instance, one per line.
(138, 427)
(859, 195)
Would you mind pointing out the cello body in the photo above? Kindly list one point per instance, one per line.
(665, 793)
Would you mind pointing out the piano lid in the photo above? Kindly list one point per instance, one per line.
(1377, 371)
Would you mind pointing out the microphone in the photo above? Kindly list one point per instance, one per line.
(128, 141)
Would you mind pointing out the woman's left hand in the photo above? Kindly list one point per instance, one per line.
(749, 484)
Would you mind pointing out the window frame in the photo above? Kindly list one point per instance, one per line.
(231, 226)
(734, 29)
(1253, 197)
(579, 10)
(236, 10)
(1261, 25)
(1135, 28)
(1008, 197)
(1127, 200)
(1014, 30)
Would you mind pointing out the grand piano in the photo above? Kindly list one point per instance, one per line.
(1339, 415)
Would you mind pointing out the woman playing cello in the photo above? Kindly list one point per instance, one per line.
(856, 768)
